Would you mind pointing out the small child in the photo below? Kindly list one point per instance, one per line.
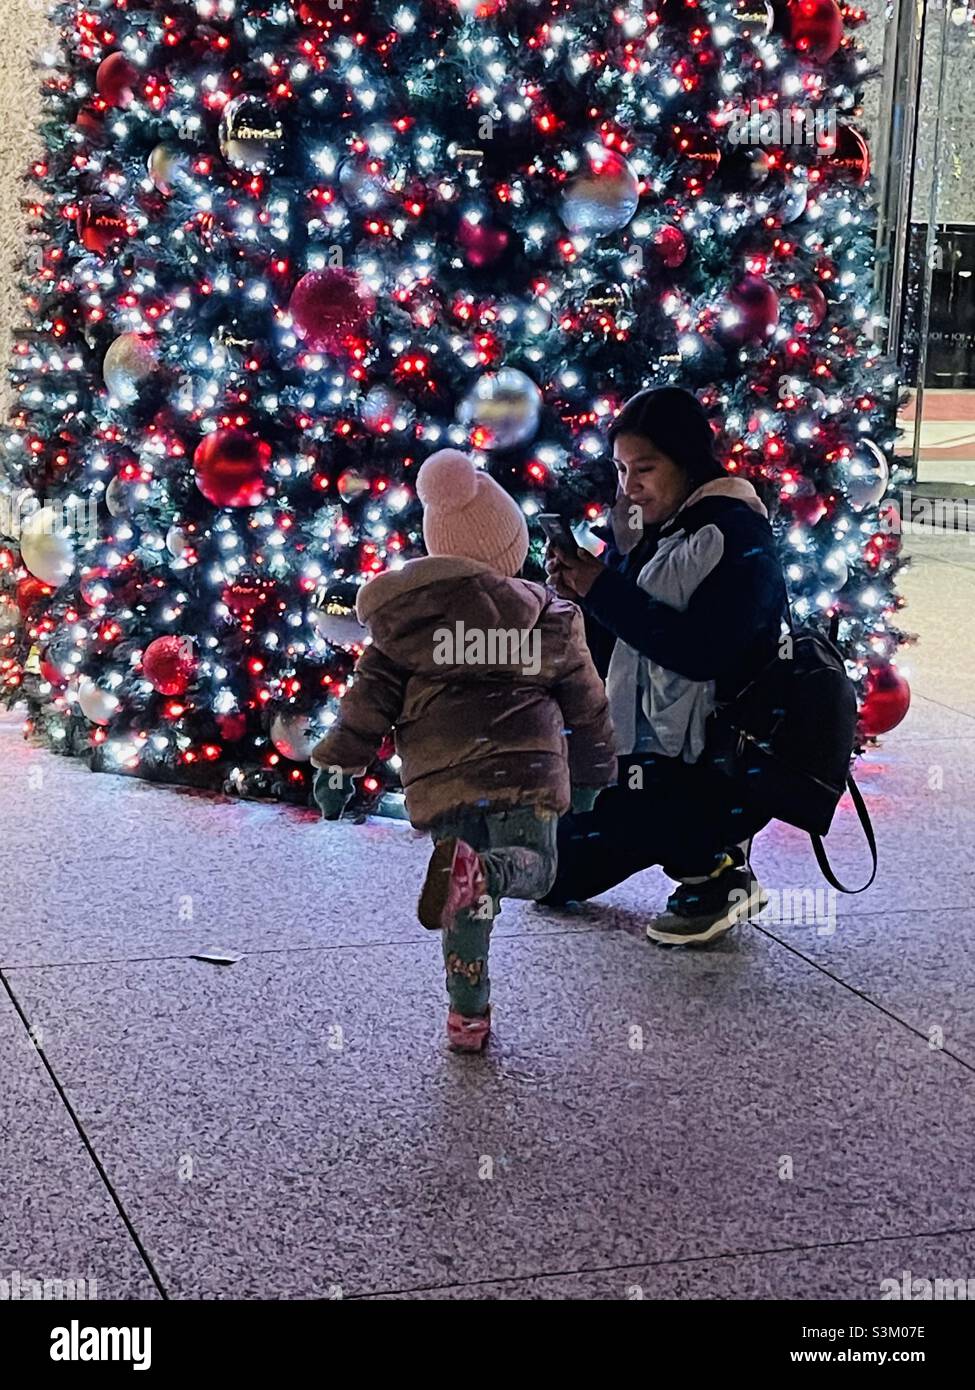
(489, 686)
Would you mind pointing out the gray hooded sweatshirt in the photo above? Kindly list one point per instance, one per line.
(655, 710)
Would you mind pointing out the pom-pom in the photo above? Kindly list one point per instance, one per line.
(329, 307)
(448, 478)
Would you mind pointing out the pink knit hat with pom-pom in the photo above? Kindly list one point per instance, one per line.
(466, 513)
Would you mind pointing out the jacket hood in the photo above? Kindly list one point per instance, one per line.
(404, 608)
(738, 489)
(411, 577)
(626, 539)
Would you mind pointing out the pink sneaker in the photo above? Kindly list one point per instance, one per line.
(454, 882)
(468, 1034)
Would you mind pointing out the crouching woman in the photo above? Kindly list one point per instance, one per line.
(682, 611)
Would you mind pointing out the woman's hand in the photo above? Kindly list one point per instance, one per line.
(571, 576)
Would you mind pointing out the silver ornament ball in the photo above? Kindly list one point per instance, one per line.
(295, 735)
(168, 166)
(45, 548)
(366, 184)
(793, 201)
(334, 620)
(97, 705)
(116, 499)
(604, 197)
(352, 484)
(9, 615)
(865, 476)
(752, 19)
(385, 411)
(129, 362)
(504, 406)
(177, 542)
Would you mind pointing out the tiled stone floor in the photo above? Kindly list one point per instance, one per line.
(789, 1115)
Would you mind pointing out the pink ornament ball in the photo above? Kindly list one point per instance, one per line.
(481, 243)
(328, 307)
(756, 307)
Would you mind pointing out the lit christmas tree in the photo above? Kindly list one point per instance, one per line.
(282, 250)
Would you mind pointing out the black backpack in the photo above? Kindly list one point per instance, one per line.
(789, 736)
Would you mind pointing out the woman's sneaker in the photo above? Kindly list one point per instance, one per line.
(698, 913)
(454, 882)
(468, 1034)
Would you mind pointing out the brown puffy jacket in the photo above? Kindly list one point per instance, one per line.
(489, 731)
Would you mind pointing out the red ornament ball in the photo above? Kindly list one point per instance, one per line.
(481, 243)
(248, 597)
(230, 466)
(95, 589)
(328, 307)
(168, 664)
(848, 156)
(30, 593)
(51, 673)
(811, 305)
(90, 123)
(115, 80)
(756, 311)
(806, 505)
(326, 13)
(232, 727)
(887, 701)
(670, 246)
(101, 226)
(815, 28)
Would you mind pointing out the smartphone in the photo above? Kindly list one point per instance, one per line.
(558, 533)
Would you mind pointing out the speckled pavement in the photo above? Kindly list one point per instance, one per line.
(788, 1115)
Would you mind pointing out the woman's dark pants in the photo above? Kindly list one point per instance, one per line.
(680, 815)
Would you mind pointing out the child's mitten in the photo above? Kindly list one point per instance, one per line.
(333, 792)
(584, 798)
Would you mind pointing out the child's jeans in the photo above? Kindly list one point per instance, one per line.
(517, 849)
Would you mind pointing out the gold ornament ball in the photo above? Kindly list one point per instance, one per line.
(167, 165)
(130, 361)
(251, 135)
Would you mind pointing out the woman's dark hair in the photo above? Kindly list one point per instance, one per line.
(674, 420)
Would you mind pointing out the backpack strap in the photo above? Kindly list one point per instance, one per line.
(820, 849)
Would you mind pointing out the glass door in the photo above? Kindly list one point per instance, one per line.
(937, 329)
